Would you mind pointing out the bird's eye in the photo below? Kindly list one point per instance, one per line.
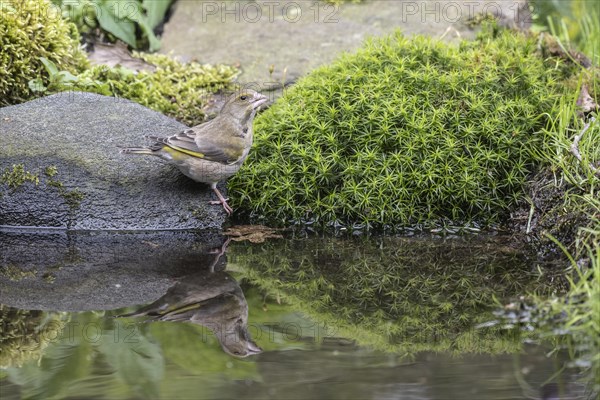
(244, 98)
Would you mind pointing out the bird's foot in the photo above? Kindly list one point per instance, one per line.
(223, 202)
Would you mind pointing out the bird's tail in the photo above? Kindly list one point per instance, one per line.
(138, 150)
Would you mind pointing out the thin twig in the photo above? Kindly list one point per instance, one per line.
(450, 29)
(531, 212)
(575, 145)
(576, 140)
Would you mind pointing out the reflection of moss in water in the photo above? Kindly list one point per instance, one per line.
(569, 321)
(14, 273)
(25, 334)
(401, 295)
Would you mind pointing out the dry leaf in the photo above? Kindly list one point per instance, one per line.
(252, 233)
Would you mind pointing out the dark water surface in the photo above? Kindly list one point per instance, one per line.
(179, 316)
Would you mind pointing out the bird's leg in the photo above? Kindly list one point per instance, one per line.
(219, 253)
(222, 200)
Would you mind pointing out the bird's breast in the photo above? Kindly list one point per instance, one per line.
(208, 171)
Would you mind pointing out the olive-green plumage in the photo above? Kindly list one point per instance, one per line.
(214, 150)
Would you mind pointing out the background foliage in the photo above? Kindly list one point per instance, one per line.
(29, 31)
(40, 55)
(179, 90)
(132, 21)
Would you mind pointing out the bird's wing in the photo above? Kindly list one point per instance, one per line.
(207, 147)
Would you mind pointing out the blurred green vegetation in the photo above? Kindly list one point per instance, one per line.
(73, 352)
(575, 22)
(132, 21)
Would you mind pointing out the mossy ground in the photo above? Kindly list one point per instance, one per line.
(72, 198)
(179, 90)
(402, 133)
(17, 176)
(405, 132)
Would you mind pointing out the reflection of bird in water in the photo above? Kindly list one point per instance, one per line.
(212, 299)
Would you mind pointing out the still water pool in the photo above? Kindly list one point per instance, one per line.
(182, 316)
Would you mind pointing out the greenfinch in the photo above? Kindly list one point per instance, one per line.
(214, 150)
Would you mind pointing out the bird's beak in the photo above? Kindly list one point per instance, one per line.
(259, 100)
(253, 348)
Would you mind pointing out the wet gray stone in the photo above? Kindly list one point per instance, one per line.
(297, 36)
(80, 134)
(65, 271)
